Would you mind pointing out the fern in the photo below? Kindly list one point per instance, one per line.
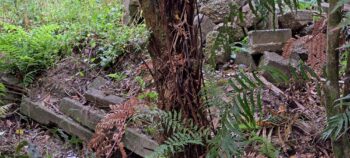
(29, 53)
(183, 133)
(266, 147)
(246, 99)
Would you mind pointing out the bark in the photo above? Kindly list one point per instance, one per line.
(332, 89)
(177, 62)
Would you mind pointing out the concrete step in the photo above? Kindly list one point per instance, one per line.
(100, 99)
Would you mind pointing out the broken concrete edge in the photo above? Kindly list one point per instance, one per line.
(98, 98)
(273, 64)
(269, 36)
(268, 40)
(135, 141)
(82, 114)
(39, 113)
(139, 143)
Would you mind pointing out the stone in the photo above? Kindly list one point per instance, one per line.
(250, 19)
(39, 113)
(97, 83)
(219, 56)
(271, 61)
(134, 140)
(139, 143)
(245, 58)
(268, 40)
(206, 24)
(83, 114)
(295, 20)
(235, 32)
(299, 52)
(217, 10)
(100, 99)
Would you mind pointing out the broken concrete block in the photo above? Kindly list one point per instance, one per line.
(245, 58)
(271, 62)
(268, 40)
(133, 140)
(295, 20)
(100, 99)
(38, 112)
(139, 143)
(299, 52)
(80, 113)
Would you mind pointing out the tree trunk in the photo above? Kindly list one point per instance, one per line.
(177, 62)
(332, 89)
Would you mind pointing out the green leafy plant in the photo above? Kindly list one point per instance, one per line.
(28, 53)
(183, 133)
(338, 124)
(140, 82)
(118, 76)
(151, 96)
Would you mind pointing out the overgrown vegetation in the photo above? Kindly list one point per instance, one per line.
(34, 37)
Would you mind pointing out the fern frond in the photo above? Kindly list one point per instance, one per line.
(183, 133)
(338, 124)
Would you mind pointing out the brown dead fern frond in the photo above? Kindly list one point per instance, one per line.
(110, 130)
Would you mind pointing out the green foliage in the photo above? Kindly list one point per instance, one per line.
(151, 96)
(183, 133)
(28, 53)
(266, 147)
(338, 124)
(246, 99)
(118, 76)
(35, 32)
(2, 90)
(140, 82)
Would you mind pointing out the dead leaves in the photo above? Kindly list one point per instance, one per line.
(110, 130)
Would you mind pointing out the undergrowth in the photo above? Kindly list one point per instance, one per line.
(35, 33)
(28, 53)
